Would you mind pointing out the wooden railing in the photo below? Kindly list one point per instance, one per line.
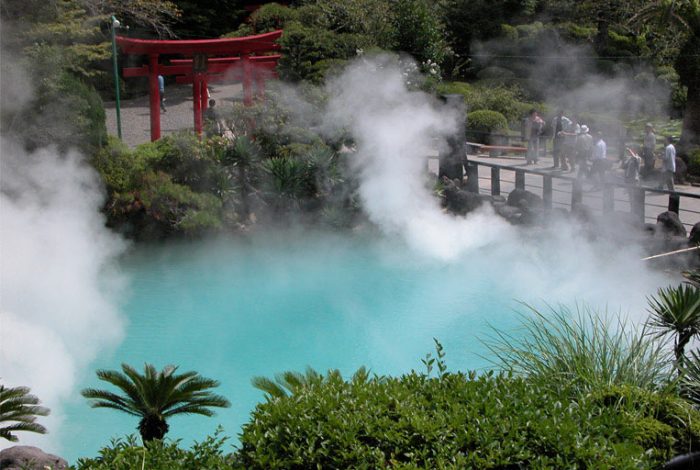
(638, 200)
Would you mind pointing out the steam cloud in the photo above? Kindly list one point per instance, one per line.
(57, 296)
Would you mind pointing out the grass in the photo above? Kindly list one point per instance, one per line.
(581, 351)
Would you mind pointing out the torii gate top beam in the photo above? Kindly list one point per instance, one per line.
(190, 47)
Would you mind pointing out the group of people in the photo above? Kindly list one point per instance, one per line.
(574, 146)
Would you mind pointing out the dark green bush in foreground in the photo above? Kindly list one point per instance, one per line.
(465, 421)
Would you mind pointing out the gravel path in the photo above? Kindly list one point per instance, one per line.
(179, 115)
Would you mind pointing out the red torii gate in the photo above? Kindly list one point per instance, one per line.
(235, 62)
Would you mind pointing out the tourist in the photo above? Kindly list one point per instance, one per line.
(648, 150)
(584, 147)
(161, 92)
(632, 166)
(568, 148)
(533, 128)
(559, 123)
(669, 165)
(599, 159)
(212, 126)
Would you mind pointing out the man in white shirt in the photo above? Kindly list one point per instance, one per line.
(669, 168)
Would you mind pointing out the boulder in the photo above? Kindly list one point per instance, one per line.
(694, 238)
(29, 458)
(523, 198)
(458, 201)
(669, 224)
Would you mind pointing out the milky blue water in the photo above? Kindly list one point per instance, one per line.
(236, 309)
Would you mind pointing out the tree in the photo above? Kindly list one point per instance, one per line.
(20, 408)
(156, 396)
(683, 16)
(676, 310)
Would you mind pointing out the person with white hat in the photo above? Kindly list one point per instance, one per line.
(584, 146)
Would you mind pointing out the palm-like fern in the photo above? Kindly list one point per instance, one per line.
(676, 310)
(155, 396)
(290, 383)
(18, 412)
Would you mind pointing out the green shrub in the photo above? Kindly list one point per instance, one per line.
(272, 16)
(126, 454)
(481, 124)
(694, 162)
(505, 100)
(457, 421)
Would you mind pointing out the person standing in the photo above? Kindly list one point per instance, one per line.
(669, 161)
(533, 128)
(648, 149)
(559, 123)
(161, 92)
(599, 158)
(632, 165)
(568, 149)
(584, 147)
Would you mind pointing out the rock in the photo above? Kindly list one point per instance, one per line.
(458, 201)
(29, 458)
(512, 214)
(517, 196)
(668, 224)
(694, 238)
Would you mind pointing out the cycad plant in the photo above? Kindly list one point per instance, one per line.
(18, 412)
(155, 396)
(676, 311)
(290, 383)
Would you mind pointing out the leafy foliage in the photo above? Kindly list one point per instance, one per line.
(462, 421)
(126, 454)
(155, 396)
(18, 412)
(482, 124)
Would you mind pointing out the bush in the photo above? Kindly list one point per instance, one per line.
(481, 124)
(271, 16)
(505, 100)
(126, 454)
(462, 421)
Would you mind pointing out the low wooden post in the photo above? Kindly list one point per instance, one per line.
(519, 179)
(637, 203)
(495, 181)
(608, 198)
(473, 178)
(576, 193)
(547, 192)
(674, 202)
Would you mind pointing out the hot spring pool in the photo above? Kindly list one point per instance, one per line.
(232, 310)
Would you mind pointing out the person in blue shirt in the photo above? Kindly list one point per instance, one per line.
(161, 92)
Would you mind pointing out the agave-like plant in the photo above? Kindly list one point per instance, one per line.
(18, 412)
(580, 351)
(676, 311)
(155, 396)
(690, 377)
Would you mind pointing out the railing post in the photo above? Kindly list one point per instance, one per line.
(547, 192)
(473, 177)
(495, 181)
(674, 202)
(608, 198)
(576, 193)
(519, 179)
(637, 203)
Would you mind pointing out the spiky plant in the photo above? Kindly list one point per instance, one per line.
(676, 311)
(18, 412)
(580, 351)
(690, 377)
(155, 396)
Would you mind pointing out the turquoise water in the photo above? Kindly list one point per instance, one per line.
(232, 310)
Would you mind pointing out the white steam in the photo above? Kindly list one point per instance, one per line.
(395, 130)
(57, 296)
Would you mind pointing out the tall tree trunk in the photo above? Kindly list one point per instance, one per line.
(688, 68)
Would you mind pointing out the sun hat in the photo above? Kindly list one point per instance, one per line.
(584, 129)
